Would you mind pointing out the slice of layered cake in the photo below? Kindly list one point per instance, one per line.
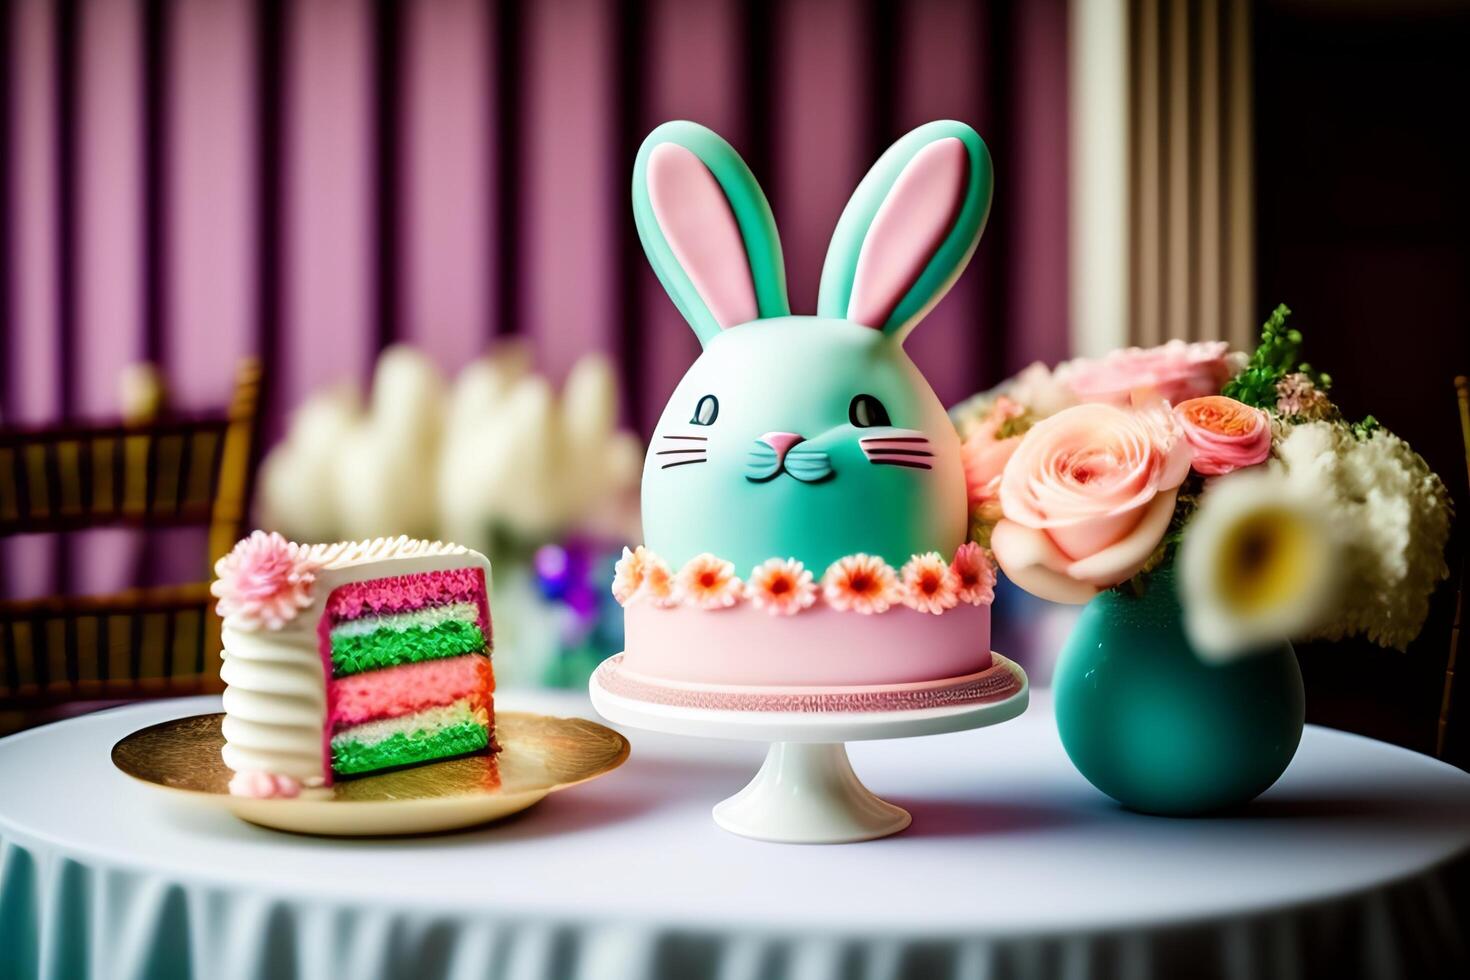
(408, 660)
(347, 659)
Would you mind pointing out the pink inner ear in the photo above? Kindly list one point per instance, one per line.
(908, 229)
(697, 222)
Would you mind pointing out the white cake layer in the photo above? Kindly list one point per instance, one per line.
(428, 617)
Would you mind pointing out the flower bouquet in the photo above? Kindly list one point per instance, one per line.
(1208, 506)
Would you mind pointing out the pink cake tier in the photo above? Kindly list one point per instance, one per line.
(863, 637)
(820, 647)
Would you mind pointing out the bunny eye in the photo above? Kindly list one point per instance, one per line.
(865, 411)
(706, 411)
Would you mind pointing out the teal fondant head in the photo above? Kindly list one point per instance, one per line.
(808, 437)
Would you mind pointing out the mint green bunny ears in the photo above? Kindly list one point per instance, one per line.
(909, 229)
(904, 238)
(707, 229)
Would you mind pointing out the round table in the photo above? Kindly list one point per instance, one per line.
(1014, 866)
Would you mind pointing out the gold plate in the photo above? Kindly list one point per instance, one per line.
(538, 755)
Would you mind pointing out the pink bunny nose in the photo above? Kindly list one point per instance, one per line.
(781, 442)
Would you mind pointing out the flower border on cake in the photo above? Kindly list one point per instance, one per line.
(861, 583)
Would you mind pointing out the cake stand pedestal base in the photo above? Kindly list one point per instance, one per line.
(807, 793)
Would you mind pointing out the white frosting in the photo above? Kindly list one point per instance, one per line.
(275, 694)
(275, 700)
(345, 554)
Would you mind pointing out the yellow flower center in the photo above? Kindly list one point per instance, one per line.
(1263, 559)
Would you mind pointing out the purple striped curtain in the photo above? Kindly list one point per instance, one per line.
(191, 181)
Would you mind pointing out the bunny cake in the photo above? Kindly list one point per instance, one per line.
(804, 503)
(347, 659)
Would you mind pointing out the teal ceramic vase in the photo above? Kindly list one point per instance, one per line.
(1160, 730)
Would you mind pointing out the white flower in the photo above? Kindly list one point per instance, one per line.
(1256, 565)
(1392, 514)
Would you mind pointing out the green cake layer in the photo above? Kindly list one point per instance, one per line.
(400, 749)
(353, 654)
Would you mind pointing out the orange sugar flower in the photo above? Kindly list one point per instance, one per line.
(782, 587)
(707, 582)
(628, 575)
(658, 581)
(929, 584)
(640, 574)
(860, 583)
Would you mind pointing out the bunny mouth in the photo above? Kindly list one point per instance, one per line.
(806, 465)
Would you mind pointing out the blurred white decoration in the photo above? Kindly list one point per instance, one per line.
(298, 478)
(498, 452)
(141, 392)
(1258, 563)
(385, 472)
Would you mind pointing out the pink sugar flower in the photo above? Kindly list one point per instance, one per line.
(929, 584)
(975, 573)
(263, 582)
(264, 785)
(782, 587)
(1226, 434)
(707, 582)
(860, 583)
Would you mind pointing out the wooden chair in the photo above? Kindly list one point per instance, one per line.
(1447, 700)
(169, 472)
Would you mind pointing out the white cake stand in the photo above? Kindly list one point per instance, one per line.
(806, 791)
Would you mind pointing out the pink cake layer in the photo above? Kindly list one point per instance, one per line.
(407, 689)
(995, 683)
(819, 647)
(405, 593)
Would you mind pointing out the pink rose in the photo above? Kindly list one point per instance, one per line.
(1086, 498)
(1226, 434)
(1175, 371)
(985, 456)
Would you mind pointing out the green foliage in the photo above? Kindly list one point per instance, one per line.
(1278, 355)
(1366, 428)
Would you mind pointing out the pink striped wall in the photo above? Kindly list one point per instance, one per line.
(309, 180)
(448, 170)
(209, 180)
(33, 354)
(330, 221)
(110, 134)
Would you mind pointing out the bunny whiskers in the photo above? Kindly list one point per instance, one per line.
(682, 451)
(908, 448)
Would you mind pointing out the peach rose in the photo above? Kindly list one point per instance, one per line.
(1226, 434)
(1175, 371)
(1086, 498)
(985, 456)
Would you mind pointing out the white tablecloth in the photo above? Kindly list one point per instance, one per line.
(1014, 866)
